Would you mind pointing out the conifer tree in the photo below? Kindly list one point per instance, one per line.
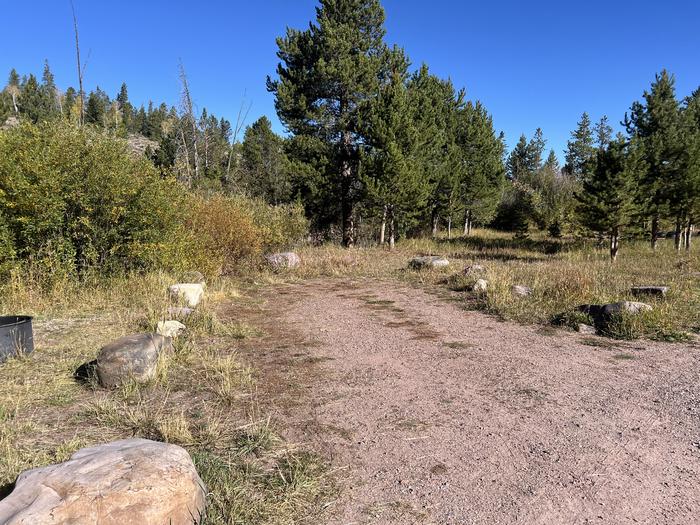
(481, 165)
(603, 133)
(30, 100)
(264, 165)
(579, 150)
(607, 201)
(519, 161)
(326, 75)
(390, 172)
(49, 95)
(656, 124)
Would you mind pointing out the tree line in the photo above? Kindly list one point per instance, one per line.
(377, 149)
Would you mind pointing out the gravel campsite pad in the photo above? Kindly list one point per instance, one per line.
(428, 413)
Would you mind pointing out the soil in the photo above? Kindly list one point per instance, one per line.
(431, 414)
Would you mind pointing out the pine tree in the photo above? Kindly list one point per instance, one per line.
(580, 150)
(125, 107)
(30, 100)
(264, 165)
(481, 167)
(603, 133)
(607, 201)
(656, 124)
(49, 95)
(326, 75)
(536, 149)
(519, 161)
(390, 172)
(96, 108)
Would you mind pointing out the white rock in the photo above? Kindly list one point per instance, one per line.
(170, 328)
(523, 291)
(481, 285)
(189, 293)
(280, 261)
(428, 261)
(586, 329)
(131, 481)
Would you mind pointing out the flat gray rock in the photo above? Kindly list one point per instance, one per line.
(522, 291)
(653, 291)
(129, 481)
(586, 329)
(131, 357)
(626, 307)
(428, 261)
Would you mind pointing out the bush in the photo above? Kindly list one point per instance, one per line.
(73, 199)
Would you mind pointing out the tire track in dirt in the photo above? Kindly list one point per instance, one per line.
(433, 414)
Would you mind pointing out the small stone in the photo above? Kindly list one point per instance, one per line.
(180, 312)
(473, 268)
(481, 285)
(586, 329)
(189, 293)
(131, 357)
(128, 481)
(627, 307)
(284, 260)
(655, 291)
(522, 291)
(170, 328)
(428, 261)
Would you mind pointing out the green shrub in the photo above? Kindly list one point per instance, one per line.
(75, 198)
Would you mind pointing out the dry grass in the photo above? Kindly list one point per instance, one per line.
(563, 275)
(202, 398)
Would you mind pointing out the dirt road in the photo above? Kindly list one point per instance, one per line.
(434, 414)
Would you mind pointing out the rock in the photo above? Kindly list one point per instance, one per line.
(586, 329)
(193, 277)
(657, 291)
(189, 293)
(627, 307)
(285, 260)
(481, 285)
(473, 268)
(170, 328)
(180, 312)
(131, 357)
(523, 291)
(11, 122)
(128, 481)
(428, 261)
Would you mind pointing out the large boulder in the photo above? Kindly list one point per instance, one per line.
(129, 481)
(428, 261)
(626, 307)
(130, 357)
(283, 261)
(170, 328)
(189, 293)
(654, 291)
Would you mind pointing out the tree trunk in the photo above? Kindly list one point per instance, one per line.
(14, 103)
(614, 245)
(678, 235)
(688, 236)
(654, 232)
(449, 227)
(382, 230)
(346, 205)
(435, 220)
(468, 223)
(392, 229)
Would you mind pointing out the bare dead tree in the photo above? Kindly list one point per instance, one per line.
(240, 122)
(188, 114)
(80, 67)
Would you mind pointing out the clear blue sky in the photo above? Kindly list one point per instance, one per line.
(532, 63)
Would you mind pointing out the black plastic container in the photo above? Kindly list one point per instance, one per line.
(16, 336)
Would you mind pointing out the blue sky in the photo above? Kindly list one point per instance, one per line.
(531, 63)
